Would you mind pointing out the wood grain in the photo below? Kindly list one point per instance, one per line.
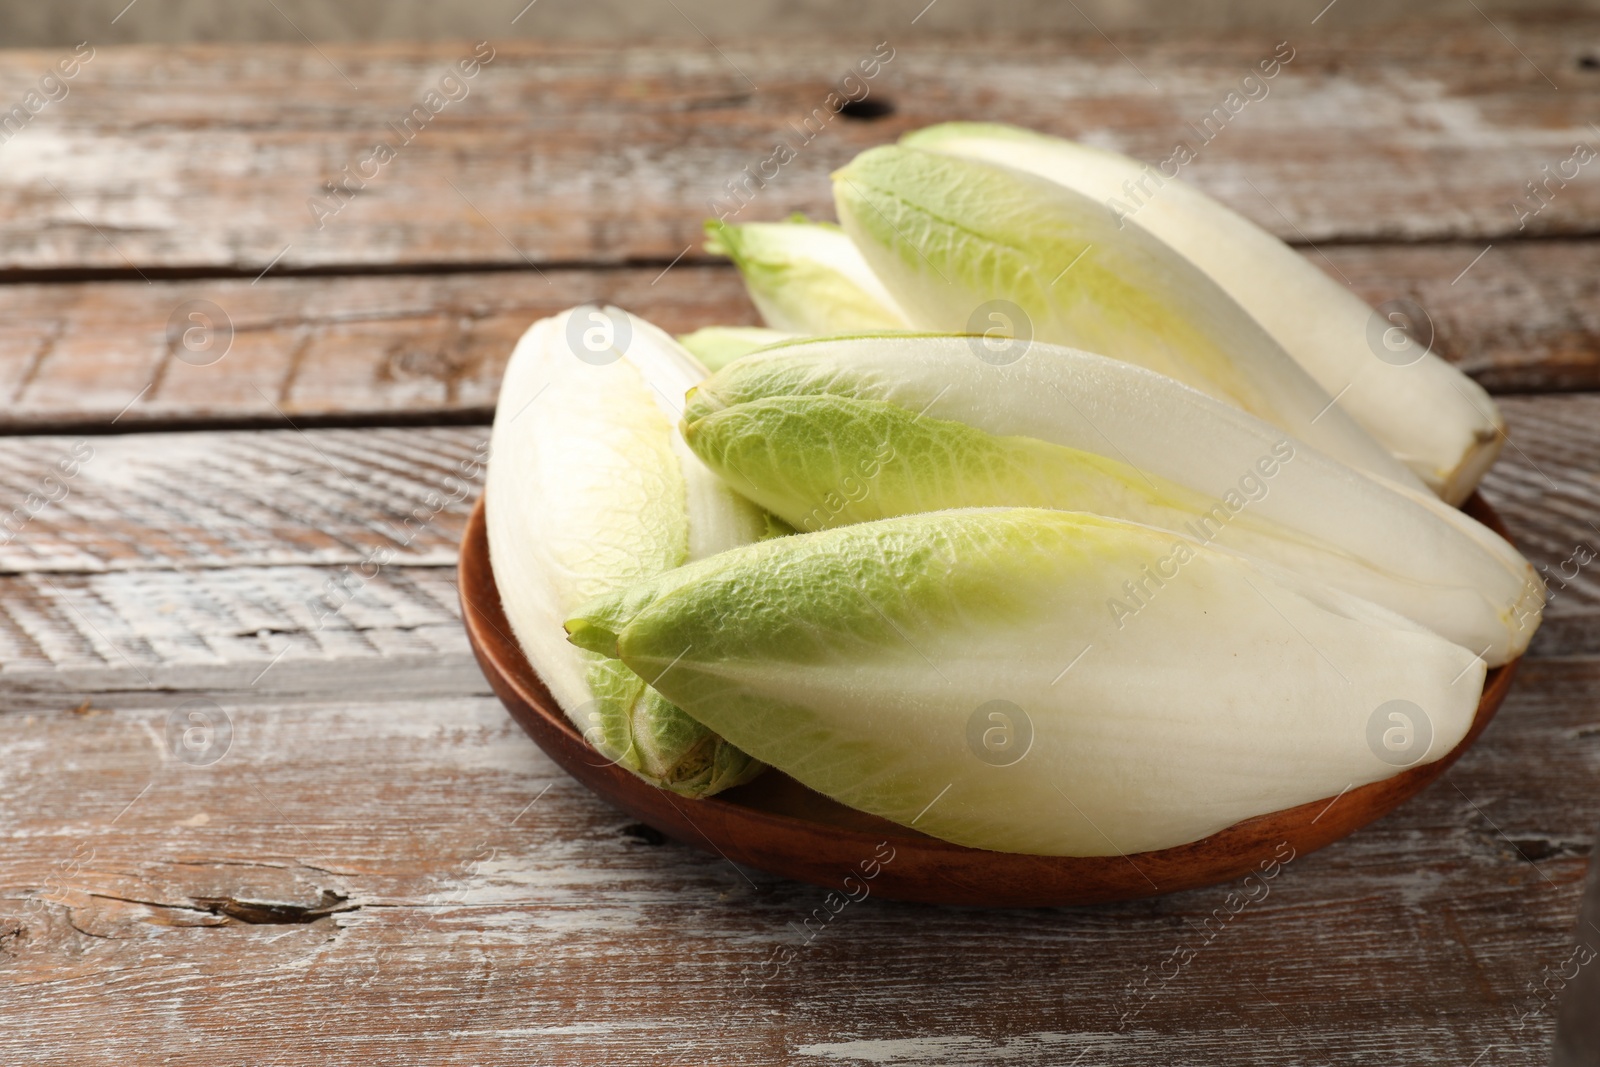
(239, 498)
(1525, 317)
(493, 911)
(204, 157)
(1547, 484)
(249, 631)
(247, 562)
(349, 349)
(420, 348)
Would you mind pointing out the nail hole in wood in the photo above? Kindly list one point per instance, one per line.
(866, 109)
(648, 834)
(1589, 62)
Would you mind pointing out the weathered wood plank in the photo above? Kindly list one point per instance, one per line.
(250, 631)
(1547, 487)
(231, 498)
(350, 348)
(1523, 318)
(419, 347)
(205, 157)
(402, 880)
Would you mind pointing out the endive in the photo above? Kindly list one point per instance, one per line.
(806, 277)
(591, 489)
(874, 663)
(1440, 422)
(834, 431)
(717, 346)
(969, 246)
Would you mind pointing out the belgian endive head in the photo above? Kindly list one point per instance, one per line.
(1014, 679)
(833, 431)
(966, 245)
(590, 489)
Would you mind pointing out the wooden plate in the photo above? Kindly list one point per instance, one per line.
(778, 825)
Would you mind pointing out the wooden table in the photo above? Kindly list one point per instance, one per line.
(382, 868)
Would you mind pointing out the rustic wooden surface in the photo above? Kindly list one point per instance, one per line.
(381, 868)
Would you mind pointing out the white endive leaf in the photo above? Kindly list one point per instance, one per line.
(959, 672)
(806, 277)
(717, 346)
(590, 488)
(833, 431)
(1440, 422)
(968, 246)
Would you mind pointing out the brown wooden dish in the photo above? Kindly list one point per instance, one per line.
(776, 824)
